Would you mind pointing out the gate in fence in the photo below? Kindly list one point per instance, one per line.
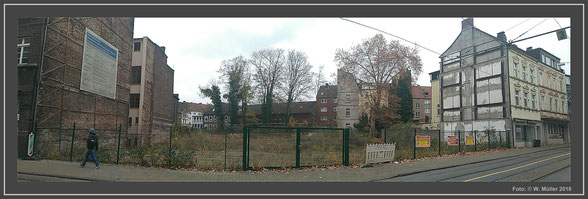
(277, 147)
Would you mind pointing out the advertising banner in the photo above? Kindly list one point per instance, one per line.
(452, 140)
(469, 140)
(423, 141)
(99, 66)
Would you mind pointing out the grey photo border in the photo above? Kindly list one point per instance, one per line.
(574, 10)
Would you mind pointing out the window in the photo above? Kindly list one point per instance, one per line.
(427, 101)
(531, 73)
(323, 109)
(417, 105)
(130, 121)
(553, 83)
(548, 81)
(489, 70)
(438, 109)
(347, 112)
(556, 104)
(22, 50)
(136, 120)
(541, 78)
(451, 97)
(517, 98)
(137, 46)
(542, 102)
(417, 114)
(323, 101)
(335, 100)
(533, 100)
(516, 70)
(136, 75)
(347, 98)
(347, 124)
(426, 94)
(134, 101)
(427, 110)
(335, 109)
(550, 104)
(563, 110)
(526, 99)
(561, 85)
(323, 118)
(524, 73)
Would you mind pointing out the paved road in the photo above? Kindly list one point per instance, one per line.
(545, 166)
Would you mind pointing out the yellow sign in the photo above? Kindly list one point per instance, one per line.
(469, 140)
(423, 141)
(483, 139)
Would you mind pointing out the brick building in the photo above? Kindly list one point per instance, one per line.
(151, 108)
(421, 100)
(326, 106)
(300, 112)
(55, 89)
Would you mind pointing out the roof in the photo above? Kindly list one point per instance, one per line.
(186, 107)
(327, 91)
(225, 108)
(280, 108)
(419, 91)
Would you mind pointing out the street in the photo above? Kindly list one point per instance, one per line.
(541, 166)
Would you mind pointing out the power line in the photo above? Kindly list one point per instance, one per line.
(530, 29)
(389, 34)
(516, 25)
(557, 22)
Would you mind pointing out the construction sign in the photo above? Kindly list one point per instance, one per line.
(470, 140)
(423, 141)
(452, 140)
(483, 139)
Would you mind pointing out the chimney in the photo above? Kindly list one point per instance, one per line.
(466, 23)
(163, 48)
(501, 36)
(529, 48)
(326, 84)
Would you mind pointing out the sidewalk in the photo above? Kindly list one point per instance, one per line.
(126, 173)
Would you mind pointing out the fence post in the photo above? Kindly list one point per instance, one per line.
(475, 141)
(170, 146)
(118, 148)
(72, 142)
(458, 141)
(35, 137)
(248, 142)
(225, 165)
(346, 147)
(297, 147)
(488, 138)
(244, 148)
(439, 137)
(500, 135)
(414, 146)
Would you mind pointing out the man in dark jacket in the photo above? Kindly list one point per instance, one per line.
(92, 142)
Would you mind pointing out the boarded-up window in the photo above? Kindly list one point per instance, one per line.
(487, 56)
(451, 116)
(136, 75)
(451, 97)
(450, 67)
(489, 70)
(490, 112)
(489, 91)
(450, 78)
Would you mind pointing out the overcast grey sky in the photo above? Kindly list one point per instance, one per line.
(196, 46)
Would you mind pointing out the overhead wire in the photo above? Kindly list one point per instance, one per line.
(516, 25)
(390, 35)
(530, 29)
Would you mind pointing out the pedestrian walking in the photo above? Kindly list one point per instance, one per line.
(92, 143)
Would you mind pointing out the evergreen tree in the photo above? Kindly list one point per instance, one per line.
(214, 94)
(403, 92)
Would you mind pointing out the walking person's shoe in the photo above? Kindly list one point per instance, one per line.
(98, 167)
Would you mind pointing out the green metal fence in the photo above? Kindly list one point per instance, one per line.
(275, 147)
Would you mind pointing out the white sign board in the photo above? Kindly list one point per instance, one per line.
(99, 66)
(375, 153)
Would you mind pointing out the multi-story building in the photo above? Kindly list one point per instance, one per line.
(553, 95)
(301, 112)
(210, 117)
(348, 100)
(569, 92)
(192, 114)
(435, 100)
(72, 70)
(421, 100)
(151, 108)
(487, 83)
(326, 106)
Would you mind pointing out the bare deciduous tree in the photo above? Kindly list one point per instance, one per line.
(297, 79)
(320, 78)
(375, 62)
(268, 66)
